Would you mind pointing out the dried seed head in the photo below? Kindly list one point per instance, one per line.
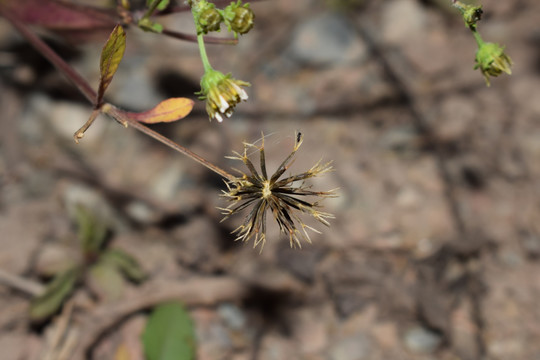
(286, 197)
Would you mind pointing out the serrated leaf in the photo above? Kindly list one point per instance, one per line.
(111, 55)
(125, 263)
(56, 292)
(169, 334)
(166, 111)
(106, 281)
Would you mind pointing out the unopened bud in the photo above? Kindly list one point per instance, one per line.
(210, 20)
(243, 20)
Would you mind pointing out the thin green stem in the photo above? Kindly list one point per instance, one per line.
(478, 38)
(151, 9)
(204, 57)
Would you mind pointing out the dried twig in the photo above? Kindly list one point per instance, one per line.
(192, 292)
(19, 283)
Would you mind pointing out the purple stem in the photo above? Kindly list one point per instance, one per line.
(48, 53)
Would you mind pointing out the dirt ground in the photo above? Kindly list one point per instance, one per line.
(435, 246)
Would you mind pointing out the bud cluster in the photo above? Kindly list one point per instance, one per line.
(490, 57)
(238, 17)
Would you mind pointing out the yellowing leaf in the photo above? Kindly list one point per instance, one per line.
(122, 353)
(166, 111)
(111, 55)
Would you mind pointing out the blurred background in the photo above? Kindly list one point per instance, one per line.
(434, 249)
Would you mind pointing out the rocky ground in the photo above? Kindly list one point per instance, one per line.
(434, 250)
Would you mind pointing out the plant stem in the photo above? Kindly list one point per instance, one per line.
(204, 57)
(49, 53)
(193, 38)
(151, 9)
(118, 115)
(478, 38)
(91, 95)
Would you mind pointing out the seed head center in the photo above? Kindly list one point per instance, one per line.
(266, 192)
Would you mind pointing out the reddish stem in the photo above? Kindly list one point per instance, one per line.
(193, 38)
(91, 95)
(49, 53)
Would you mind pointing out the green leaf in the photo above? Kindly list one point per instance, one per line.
(148, 25)
(169, 334)
(106, 281)
(56, 292)
(161, 6)
(125, 263)
(111, 55)
(92, 231)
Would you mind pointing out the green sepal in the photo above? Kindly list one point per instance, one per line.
(148, 25)
(162, 5)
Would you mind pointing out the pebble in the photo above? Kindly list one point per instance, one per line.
(232, 316)
(356, 347)
(421, 340)
(402, 19)
(326, 40)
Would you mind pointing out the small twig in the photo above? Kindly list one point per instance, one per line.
(192, 292)
(115, 113)
(193, 38)
(19, 283)
(182, 8)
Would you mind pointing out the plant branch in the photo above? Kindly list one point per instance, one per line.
(91, 95)
(49, 53)
(118, 115)
(182, 8)
(193, 38)
(16, 282)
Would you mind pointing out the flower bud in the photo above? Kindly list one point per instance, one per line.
(222, 93)
(210, 20)
(243, 20)
(492, 61)
(239, 18)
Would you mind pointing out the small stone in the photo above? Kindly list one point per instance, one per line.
(402, 19)
(327, 40)
(422, 340)
(54, 258)
(66, 117)
(232, 316)
(351, 348)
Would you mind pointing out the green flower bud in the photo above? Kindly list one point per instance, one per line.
(210, 20)
(471, 14)
(492, 61)
(243, 20)
(222, 93)
(239, 18)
